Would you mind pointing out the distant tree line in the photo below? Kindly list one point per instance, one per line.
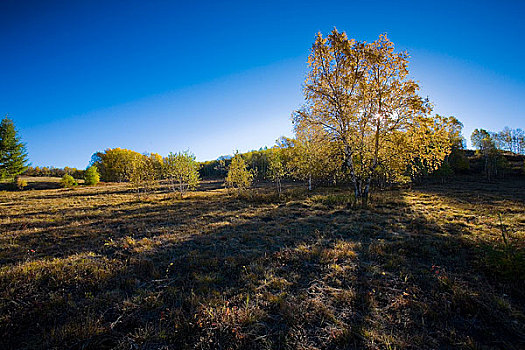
(495, 149)
(257, 161)
(510, 140)
(143, 170)
(54, 172)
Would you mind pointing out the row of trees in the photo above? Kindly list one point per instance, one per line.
(511, 140)
(181, 170)
(309, 157)
(142, 170)
(489, 146)
(257, 162)
(315, 160)
(54, 172)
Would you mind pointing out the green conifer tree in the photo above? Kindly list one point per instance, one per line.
(13, 154)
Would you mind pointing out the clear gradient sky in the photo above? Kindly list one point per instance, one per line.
(158, 76)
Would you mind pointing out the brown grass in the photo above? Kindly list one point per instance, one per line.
(424, 268)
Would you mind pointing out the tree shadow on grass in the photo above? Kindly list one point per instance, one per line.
(38, 190)
(59, 233)
(43, 185)
(472, 191)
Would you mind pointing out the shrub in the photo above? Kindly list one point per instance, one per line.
(20, 183)
(68, 181)
(91, 177)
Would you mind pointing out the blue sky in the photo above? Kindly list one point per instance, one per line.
(214, 77)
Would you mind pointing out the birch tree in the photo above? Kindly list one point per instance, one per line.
(182, 170)
(238, 174)
(276, 168)
(360, 95)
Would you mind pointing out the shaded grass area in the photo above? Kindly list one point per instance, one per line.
(428, 268)
(35, 183)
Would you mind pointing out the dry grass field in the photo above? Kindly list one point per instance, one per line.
(440, 266)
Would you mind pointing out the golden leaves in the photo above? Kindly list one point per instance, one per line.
(358, 94)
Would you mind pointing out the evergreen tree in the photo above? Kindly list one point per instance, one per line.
(13, 154)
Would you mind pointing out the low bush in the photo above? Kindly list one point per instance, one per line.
(20, 183)
(68, 181)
